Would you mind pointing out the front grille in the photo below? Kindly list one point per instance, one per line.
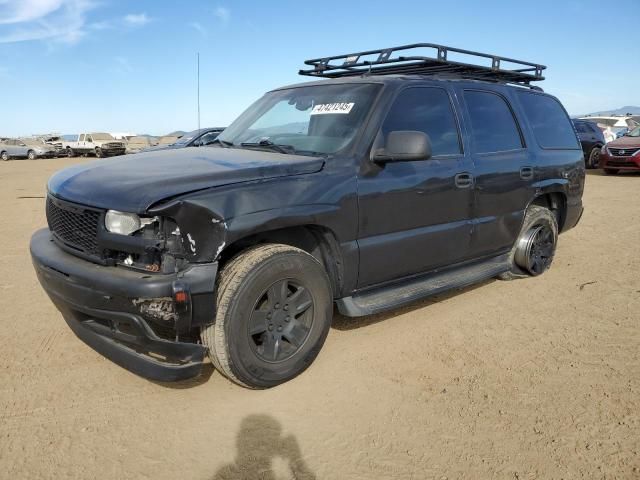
(74, 225)
(622, 152)
(113, 145)
(621, 163)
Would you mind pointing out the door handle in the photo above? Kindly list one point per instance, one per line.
(464, 180)
(526, 173)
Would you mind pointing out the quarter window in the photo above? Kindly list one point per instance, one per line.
(425, 110)
(548, 120)
(493, 126)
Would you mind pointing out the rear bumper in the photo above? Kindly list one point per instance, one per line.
(109, 309)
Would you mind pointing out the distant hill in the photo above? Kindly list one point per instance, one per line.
(618, 111)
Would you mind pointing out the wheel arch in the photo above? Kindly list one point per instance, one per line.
(317, 240)
(556, 202)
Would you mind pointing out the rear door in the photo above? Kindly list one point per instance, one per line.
(503, 169)
(415, 216)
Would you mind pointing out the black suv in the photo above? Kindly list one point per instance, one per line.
(592, 140)
(392, 179)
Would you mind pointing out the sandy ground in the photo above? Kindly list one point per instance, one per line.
(537, 378)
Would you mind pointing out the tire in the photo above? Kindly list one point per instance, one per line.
(611, 171)
(99, 153)
(31, 155)
(4, 156)
(254, 290)
(527, 257)
(594, 158)
(69, 152)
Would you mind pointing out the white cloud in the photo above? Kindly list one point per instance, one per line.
(136, 19)
(56, 20)
(199, 28)
(223, 14)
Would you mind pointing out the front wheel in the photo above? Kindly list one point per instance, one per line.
(99, 152)
(594, 158)
(535, 247)
(274, 309)
(31, 155)
(69, 152)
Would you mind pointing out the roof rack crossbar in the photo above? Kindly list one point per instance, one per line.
(353, 64)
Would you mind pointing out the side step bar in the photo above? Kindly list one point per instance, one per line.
(404, 292)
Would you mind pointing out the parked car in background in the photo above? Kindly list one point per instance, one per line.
(623, 154)
(140, 142)
(614, 123)
(592, 141)
(25, 148)
(98, 144)
(196, 138)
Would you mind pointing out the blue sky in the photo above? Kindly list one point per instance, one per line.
(108, 65)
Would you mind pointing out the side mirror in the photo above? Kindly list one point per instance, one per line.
(404, 146)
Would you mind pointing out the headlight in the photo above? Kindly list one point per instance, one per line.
(122, 222)
(604, 149)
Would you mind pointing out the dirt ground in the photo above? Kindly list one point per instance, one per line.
(532, 379)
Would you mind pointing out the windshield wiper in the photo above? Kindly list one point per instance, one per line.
(270, 145)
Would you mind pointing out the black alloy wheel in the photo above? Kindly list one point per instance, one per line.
(281, 321)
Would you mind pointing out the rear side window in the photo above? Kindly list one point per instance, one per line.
(581, 128)
(493, 125)
(548, 120)
(427, 110)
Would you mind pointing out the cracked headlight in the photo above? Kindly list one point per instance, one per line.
(124, 223)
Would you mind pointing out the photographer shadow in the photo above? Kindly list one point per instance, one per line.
(258, 443)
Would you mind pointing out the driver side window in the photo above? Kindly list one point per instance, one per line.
(427, 110)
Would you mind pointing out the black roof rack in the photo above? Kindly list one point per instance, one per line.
(383, 62)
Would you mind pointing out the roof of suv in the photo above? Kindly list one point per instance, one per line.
(402, 79)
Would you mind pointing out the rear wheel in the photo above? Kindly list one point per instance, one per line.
(274, 309)
(594, 158)
(4, 156)
(31, 155)
(535, 247)
(611, 171)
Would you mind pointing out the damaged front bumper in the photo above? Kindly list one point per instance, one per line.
(130, 317)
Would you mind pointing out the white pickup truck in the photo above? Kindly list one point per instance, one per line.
(98, 144)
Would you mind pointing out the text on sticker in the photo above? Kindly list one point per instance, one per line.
(326, 108)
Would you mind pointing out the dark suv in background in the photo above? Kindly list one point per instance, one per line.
(592, 141)
(393, 178)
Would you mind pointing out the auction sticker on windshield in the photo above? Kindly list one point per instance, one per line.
(325, 108)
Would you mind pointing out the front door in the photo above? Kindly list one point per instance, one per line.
(416, 216)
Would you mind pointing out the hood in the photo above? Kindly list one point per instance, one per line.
(135, 182)
(624, 142)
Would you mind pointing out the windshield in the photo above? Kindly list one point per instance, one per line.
(320, 119)
(101, 136)
(187, 137)
(634, 133)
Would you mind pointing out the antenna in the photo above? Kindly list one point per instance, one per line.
(198, 90)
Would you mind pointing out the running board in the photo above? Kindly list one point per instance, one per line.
(408, 291)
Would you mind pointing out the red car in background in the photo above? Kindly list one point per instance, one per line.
(623, 154)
